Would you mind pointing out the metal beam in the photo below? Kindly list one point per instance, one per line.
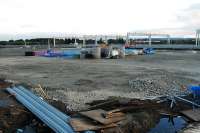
(146, 34)
(24, 42)
(197, 37)
(169, 40)
(51, 116)
(187, 101)
(150, 40)
(42, 113)
(54, 42)
(149, 35)
(196, 40)
(43, 103)
(96, 43)
(49, 47)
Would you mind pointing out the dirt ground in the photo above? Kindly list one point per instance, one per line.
(77, 82)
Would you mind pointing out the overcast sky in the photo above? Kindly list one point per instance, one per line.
(36, 17)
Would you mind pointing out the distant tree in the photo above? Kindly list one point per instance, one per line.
(90, 41)
(3, 43)
(67, 41)
(111, 41)
(11, 41)
(79, 41)
(100, 41)
(19, 42)
(120, 41)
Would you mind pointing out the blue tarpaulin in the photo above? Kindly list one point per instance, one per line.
(72, 53)
(195, 90)
(149, 51)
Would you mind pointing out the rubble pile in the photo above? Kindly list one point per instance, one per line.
(159, 85)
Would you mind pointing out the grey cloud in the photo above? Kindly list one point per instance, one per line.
(30, 35)
(190, 17)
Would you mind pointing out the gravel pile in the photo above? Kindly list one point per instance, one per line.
(143, 86)
(160, 85)
(77, 100)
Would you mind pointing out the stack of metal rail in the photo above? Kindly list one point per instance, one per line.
(51, 116)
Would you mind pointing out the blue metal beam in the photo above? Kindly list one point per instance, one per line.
(54, 123)
(41, 115)
(51, 116)
(61, 115)
(48, 112)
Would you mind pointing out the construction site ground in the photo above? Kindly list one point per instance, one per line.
(76, 82)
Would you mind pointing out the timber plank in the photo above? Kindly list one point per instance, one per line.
(98, 115)
(193, 114)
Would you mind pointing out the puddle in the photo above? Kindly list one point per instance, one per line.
(169, 125)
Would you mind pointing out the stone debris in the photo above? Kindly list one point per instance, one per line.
(159, 85)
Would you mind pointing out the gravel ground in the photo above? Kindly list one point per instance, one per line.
(77, 82)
